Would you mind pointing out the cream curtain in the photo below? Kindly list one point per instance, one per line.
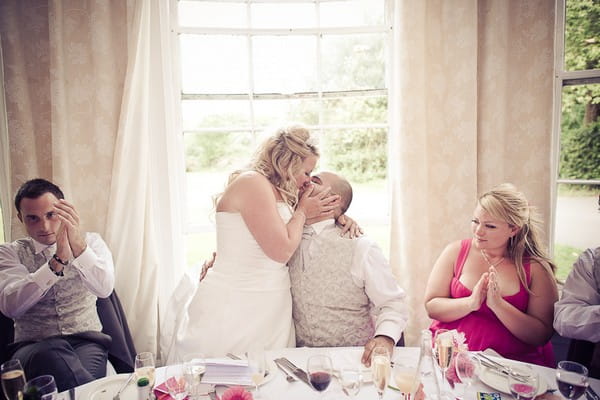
(471, 107)
(89, 105)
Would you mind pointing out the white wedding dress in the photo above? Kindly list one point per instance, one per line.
(243, 301)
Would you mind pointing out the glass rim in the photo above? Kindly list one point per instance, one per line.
(41, 382)
(10, 364)
(568, 366)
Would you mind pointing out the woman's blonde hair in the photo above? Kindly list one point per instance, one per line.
(280, 157)
(506, 203)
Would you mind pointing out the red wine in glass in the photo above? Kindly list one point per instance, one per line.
(571, 385)
(320, 380)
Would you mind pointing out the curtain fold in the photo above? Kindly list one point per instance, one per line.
(5, 197)
(144, 222)
(470, 107)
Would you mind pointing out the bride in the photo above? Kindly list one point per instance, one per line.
(245, 299)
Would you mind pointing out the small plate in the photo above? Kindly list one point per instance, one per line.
(499, 381)
(106, 388)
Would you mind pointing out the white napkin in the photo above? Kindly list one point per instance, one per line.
(227, 372)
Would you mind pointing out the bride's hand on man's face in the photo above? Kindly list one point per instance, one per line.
(320, 204)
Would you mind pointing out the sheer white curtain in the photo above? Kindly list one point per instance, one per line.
(5, 198)
(144, 222)
(471, 107)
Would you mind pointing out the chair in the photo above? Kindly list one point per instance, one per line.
(586, 353)
(121, 353)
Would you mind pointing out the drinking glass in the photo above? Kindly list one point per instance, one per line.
(444, 347)
(405, 377)
(467, 368)
(319, 369)
(351, 380)
(13, 379)
(195, 367)
(523, 382)
(42, 387)
(258, 364)
(380, 367)
(144, 367)
(176, 382)
(572, 379)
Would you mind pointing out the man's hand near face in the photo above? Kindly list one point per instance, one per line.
(70, 224)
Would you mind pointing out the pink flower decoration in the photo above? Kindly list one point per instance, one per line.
(236, 393)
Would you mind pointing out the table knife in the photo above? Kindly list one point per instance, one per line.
(591, 394)
(299, 372)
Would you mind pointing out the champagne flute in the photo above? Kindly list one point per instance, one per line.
(405, 376)
(144, 367)
(523, 382)
(351, 380)
(444, 347)
(258, 364)
(319, 369)
(572, 379)
(380, 367)
(467, 369)
(176, 382)
(42, 387)
(13, 379)
(195, 367)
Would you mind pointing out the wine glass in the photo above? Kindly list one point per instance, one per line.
(42, 387)
(258, 364)
(572, 379)
(523, 382)
(380, 367)
(319, 369)
(176, 382)
(405, 376)
(467, 368)
(144, 367)
(13, 379)
(194, 369)
(444, 347)
(351, 380)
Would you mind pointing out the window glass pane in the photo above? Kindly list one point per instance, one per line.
(353, 62)
(348, 110)
(198, 114)
(274, 113)
(352, 13)
(580, 132)
(577, 224)
(283, 16)
(199, 247)
(217, 151)
(213, 14)
(284, 64)
(582, 33)
(214, 64)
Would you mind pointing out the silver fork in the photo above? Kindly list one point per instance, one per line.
(118, 395)
(289, 377)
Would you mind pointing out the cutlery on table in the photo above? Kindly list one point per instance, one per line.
(298, 372)
(288, 376)
(118, 395)
(494, 365)
(591, 394)
(233, 356)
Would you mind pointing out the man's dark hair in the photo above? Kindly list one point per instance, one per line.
(34, 188)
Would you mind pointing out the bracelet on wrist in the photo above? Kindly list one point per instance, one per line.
(57, 273)
(58, 260)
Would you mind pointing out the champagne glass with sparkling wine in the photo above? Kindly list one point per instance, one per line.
(144, 367)
(13, 379)
(572, 379)
(380, 368)
(444, 348)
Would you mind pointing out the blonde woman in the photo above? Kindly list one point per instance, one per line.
(245, 300)
(498, 287)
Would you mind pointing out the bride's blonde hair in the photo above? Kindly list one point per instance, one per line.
(280, 156)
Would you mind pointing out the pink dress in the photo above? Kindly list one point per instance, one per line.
(484, 330)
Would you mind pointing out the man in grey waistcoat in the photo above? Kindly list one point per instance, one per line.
(343, 290)
(49, 283)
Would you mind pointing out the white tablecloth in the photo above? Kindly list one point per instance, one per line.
(279, 388)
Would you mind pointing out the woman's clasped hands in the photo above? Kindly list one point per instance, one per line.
(486, 289)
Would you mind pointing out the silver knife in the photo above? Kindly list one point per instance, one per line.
(299, 372)
(591, 394)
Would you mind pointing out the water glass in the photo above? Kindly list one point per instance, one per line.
(351, 380)
(467, 369)
(144, 367)
(572, 379)
(42, 387)
(523, 382)
(195, 367)
(380, 368)
(405, 377)
(13, 379)
(176, 382)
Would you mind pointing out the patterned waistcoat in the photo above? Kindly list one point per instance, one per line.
(329, 309)
(66, 308)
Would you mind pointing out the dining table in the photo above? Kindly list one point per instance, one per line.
(276, 386)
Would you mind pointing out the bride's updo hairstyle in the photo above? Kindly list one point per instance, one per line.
(281, 156)
(506, 203)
